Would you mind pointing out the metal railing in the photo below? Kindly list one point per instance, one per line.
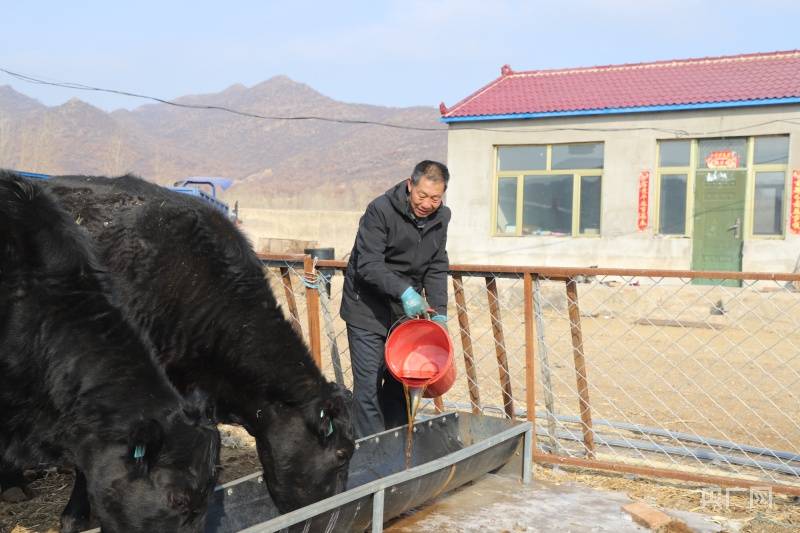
(679, 374)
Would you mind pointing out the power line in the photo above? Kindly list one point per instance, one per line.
(82, 87)
(675, 132)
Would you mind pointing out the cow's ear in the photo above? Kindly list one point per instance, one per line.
(347, 399)
(144, 443)
(339, 398)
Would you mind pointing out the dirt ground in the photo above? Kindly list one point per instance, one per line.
(560, 500)
(51, 489)
(783, 516)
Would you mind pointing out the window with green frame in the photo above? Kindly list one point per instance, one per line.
(548, 189)
(766, 161)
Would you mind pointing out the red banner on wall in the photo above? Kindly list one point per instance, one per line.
(794, 203)
(644, 200)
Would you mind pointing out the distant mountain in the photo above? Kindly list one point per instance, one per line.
(12, 101)
(275, 163)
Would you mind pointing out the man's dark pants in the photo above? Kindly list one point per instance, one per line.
(379, 402)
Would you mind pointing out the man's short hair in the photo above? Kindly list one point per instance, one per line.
(433, 170)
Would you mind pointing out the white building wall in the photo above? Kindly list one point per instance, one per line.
(628, 151)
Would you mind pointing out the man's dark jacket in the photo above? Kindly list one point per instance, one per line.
(391, 253)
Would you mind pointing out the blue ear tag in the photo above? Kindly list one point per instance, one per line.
(138, 452)
(330, 423)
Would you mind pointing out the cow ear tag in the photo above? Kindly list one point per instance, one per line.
(138, 452)
(330, 424)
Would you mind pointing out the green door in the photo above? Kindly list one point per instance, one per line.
(718, 222)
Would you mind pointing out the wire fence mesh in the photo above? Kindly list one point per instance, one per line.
(680, 376)
(657, 369)
(290, 284)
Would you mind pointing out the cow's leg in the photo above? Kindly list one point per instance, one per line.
(76, 514)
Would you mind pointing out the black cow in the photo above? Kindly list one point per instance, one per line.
(78, 384)
(193, 284)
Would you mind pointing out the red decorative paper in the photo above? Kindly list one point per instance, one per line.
(644, 200)
(794, 203)
(722, 159)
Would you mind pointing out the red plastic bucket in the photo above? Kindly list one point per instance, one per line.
(419, 353)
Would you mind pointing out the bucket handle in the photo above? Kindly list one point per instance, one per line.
(429, 312)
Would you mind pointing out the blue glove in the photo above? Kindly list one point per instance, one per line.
(413, 304)
(440, 319)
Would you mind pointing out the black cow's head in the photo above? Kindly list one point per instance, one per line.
(159, 478)
(305, 449)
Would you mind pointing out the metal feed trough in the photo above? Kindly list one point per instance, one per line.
(449, 450)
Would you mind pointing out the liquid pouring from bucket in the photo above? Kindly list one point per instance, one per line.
(419, 354)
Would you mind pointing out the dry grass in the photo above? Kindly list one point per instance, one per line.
(40, 514)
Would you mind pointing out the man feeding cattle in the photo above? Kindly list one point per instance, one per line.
(399, 252)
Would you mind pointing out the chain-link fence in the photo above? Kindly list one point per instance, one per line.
(683, 374)
(652, 372)
(295, 282)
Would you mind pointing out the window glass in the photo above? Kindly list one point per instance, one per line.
(522, 157)
(722, 153)
(583, 155)
(768, 203)
(672, 211)
(674, 153)
(547, 204)
(507, 205)
(772, 150)
(590, 205)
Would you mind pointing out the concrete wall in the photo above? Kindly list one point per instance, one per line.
(335, 229)
(627, 153)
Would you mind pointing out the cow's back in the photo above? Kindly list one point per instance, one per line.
(188, 277)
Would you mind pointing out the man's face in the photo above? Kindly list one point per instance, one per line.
(425, 197)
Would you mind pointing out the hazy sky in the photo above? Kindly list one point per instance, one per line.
(380, 52)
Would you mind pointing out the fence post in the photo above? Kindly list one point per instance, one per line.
(500, 345)
(466, 344)
(312, 307)
(377, 511)
(288, 291)
(580, 366)
(530, 368)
